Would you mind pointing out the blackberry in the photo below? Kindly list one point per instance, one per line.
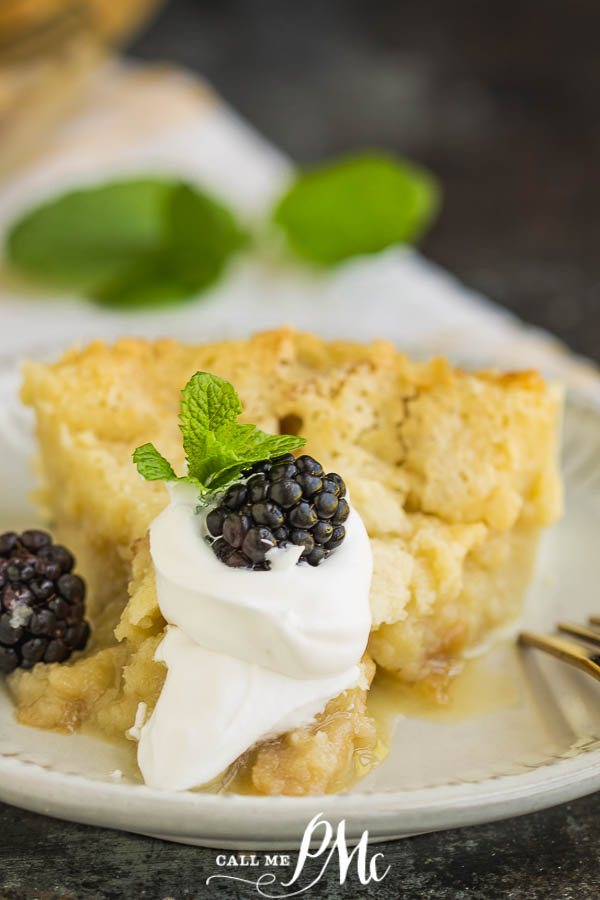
(304, 515)
(310, 484)
(257, 488)
(8, 542)
(215, 519)
(333, 476)
(303, 538)
(337, 536)
(282, 471)
(257, 542)
(309, 466)
(222, 549)
(235, 528)
(326, 504)
(316, 555)
(267, 513)
(235, 496)
(276, 503)
(322, 531)
(342, 512)
(285, 493)
(331, 486)
(42, 603)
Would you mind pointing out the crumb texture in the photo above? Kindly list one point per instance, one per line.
(453, 473)
(323, 757)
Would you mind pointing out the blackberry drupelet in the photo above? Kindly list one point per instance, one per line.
(42, 604)
(276, 503)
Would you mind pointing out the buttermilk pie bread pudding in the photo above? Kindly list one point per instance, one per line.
(236, 638)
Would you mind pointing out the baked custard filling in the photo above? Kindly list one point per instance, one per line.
(452, 474)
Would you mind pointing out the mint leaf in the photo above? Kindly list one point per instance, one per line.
(152, 465)
(247, 444)
(148, 281)
(127, 243)
(88, 235)
(201, 236)
(207, 404)
(217, 447)
(360, 204)
(252, 444)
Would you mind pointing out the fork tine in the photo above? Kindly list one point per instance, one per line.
(567, 651)
(594, 620)
(584, 634)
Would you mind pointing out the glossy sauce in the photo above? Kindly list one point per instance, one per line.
(477, 689)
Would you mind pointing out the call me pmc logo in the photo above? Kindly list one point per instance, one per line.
(330, 848)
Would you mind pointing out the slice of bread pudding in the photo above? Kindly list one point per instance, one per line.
(454, 475)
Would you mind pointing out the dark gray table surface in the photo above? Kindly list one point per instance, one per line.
(500, 99)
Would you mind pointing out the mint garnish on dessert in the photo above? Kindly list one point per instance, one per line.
(261, 496)
(217, 447)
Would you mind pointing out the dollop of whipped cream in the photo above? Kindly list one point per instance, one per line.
(249, 654)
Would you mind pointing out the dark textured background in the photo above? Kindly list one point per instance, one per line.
(500, 99)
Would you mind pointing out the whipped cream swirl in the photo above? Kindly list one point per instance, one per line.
(249, 654)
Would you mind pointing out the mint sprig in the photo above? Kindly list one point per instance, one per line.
(217, 447)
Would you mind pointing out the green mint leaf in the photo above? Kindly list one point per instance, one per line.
(148, 281)
(358, 205)
(250, 444)
(152, 465)
(217, 447)
(243, 445)
(87, 236)
(127, 243)
(207, 404)
(201, 236)
(224, 477)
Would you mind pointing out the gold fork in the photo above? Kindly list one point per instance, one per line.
(581, 657)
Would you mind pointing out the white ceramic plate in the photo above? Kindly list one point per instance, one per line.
(541, 746)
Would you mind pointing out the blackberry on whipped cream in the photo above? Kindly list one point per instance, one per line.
(280, 502)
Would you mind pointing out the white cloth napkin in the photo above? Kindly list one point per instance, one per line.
(158, 120)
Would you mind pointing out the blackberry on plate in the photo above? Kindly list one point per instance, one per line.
(42, 603)
(276, 503)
